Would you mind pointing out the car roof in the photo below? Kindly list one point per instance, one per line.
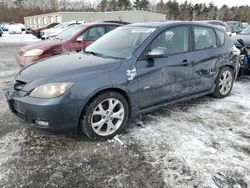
(219, 21)
(100, 23)
(169, 23)
(233, 22)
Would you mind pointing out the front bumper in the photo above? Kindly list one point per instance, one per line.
(58, 116)
(25, 61)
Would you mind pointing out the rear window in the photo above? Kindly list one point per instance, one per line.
(205, 38)
(221, 37)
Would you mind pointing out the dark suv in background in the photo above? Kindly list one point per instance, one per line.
(131, 70)
(1, 32)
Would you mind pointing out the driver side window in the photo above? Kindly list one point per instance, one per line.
(94, 33)
(175, 40)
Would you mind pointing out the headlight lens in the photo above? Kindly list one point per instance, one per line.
(34, 52)
(51, 90)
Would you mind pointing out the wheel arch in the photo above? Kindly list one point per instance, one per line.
(231, 67)
(110, 89)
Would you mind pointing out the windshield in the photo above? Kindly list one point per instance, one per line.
(121, 42)
(246, 30)
(61, 25)
(68, 33)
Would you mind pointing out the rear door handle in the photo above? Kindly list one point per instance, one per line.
(185, 62)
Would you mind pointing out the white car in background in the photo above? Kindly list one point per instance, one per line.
(52, 32)
(15, 29)
(21, 26)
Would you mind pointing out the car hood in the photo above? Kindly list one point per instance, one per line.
(68, 65)
(44, 45)
(245, 38)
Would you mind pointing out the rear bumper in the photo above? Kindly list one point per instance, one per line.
(52, 115)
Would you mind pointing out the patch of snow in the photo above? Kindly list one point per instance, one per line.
(18, 38)
(9, 73)
(203, 145)
(119, 140)
(9, 151)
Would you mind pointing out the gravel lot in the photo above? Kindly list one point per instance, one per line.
(201, 143)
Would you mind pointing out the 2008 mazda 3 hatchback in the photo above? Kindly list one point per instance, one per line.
(131, 70)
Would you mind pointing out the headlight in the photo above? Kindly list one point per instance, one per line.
(34, 52)
(51, 90)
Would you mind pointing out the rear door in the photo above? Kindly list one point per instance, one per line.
(166, 78)
(207, 52)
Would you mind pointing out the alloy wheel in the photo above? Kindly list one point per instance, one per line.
(226, 82)
(107, 117)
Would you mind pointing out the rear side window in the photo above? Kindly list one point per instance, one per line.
(205, 38)
(221, 37)
(175, 40)
(110, 27)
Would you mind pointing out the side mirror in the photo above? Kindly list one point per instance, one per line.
(241, 42)
(80, 39)
(157, 53)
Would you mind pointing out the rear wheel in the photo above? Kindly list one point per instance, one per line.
(105, 116)
(224, 83)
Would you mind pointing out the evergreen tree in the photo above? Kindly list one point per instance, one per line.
(103, 5)
(124, 4)
(141, 4)
(160, 7)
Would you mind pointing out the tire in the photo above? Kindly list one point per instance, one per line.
(105, 116)
(224, 82)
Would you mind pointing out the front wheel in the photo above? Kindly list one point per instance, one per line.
(105, 116)
(224, 83)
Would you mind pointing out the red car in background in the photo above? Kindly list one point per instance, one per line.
(37, 32)
(74, 38)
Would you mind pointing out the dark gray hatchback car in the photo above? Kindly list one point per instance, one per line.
(131, 70)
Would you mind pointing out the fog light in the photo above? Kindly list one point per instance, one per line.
(42, 123)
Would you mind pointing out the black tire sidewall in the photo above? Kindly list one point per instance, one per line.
(217, 93)
(85, 124)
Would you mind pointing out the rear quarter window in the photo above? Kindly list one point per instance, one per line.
(221, 37)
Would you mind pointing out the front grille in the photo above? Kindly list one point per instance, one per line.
(18, 85)
(18, 108)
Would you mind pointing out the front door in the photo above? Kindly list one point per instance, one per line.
(166, 78)
(90, 36)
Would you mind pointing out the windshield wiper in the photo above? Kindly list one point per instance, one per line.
(93, 53)
(101, 55)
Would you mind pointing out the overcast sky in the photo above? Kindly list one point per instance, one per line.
(220, 2)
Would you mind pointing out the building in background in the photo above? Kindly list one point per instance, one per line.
(126, 16)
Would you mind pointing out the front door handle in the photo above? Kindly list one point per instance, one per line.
(185, 62)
